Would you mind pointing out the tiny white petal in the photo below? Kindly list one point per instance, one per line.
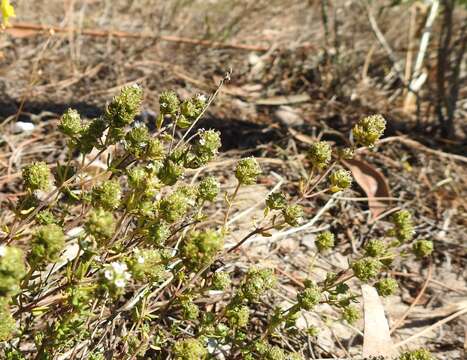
(108, 274)
(2, 250)
(120, 283)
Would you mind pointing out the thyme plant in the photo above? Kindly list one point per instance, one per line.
(126, 263)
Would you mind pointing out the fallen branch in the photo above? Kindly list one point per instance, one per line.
(37, 29)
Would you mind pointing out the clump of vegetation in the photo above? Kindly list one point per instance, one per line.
(147, 260)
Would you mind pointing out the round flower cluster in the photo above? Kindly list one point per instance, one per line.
(47, 244)
(220, 280)
(309, 297)
(256, 283)
(320, 154)
(367, 268)
(189, 349)
(200, 247)
(375, 248)
(147, 265)
(325, 241)
(351, 314)
(115, 276)
(107, 195)
(386, 287)
(368, 130)
(247, 171)
(293, 214)
(422, 248)
(124, 107)
(208, 188)
(340, 180)
(403, 227)
(36, 176)
(12, 270)
(100, 224)
(70, 123)
(238, 316)
(420, 354)
(276, 201)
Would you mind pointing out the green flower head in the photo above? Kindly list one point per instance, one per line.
(293, 214)
(422, 248)
(200, 247)
(351, 314)
(47, 244)
(208, 188)
(170, 172)
(276, 201)
(169, 102)
(324, 241)
(340, 179)
(256, 283)
(154, 150)
(247, 171)
(192, 108)
(158, 233)
(309, 297)
(420, 354)
(36, 176)
(320, 154)
(125, 106)
(12, 270)
(367, 268)
(137, 140)
(173, 207)
(70, 123)
(386, 287)
(114, 277)
(100, 224)
(220, 280)
(147, 265)
(375, 248)
(403, 226)
(205, 148)
(368, 130)
(7, 323)
(107, 195)
(189, 349)
(190, 310)
(238, 316)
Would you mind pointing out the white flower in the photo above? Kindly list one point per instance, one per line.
(119, 268)
(2, 250)
(201, 97)
(140, 259)
(120, 283)
(108, 274)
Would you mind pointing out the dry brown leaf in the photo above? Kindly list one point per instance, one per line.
(373, 183)
(377, 339)
(302, 137)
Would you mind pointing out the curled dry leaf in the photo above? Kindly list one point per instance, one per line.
(373, 183)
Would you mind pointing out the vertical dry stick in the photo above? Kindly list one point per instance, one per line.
(418, 79)
(408, 60)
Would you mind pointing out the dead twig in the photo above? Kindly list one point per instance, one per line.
(130, 35)
(415, 302)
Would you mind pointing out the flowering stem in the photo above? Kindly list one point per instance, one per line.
(229, 205)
